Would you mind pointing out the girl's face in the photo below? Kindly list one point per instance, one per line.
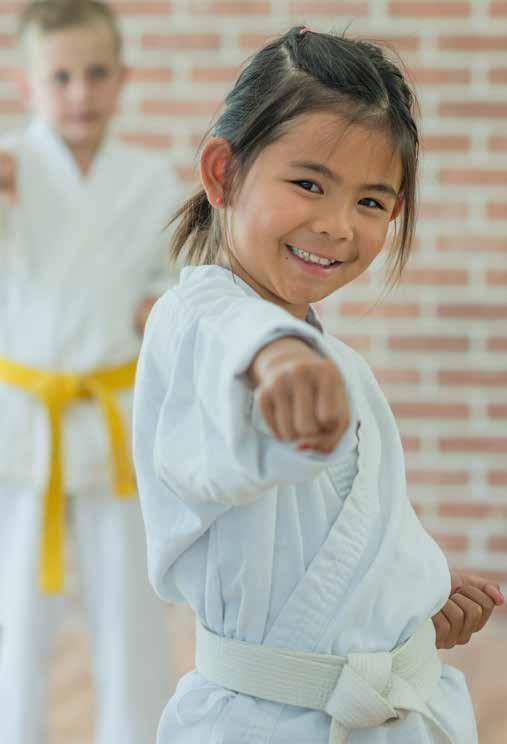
(314, 210)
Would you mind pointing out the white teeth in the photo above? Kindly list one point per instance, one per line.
(310, 257)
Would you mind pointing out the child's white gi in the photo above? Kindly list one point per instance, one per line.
(258, 538)
(77, 256)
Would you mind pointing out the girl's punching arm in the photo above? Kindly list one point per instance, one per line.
(242, 413)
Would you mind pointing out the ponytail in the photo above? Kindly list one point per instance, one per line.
(197, 235)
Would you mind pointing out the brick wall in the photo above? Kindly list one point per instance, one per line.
(438, 343)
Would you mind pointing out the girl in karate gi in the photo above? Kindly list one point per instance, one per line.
(82, 247)
(270, 468)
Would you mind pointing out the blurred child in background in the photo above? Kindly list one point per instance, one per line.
(82, 253)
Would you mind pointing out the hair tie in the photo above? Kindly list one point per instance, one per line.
(304, 30)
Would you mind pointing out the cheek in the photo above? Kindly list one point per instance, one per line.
(373, 242)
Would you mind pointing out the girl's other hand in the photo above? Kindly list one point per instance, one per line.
(301, 394)
(8, 169)
(467, 610)
(141, 313)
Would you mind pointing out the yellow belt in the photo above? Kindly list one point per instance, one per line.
(56, 391)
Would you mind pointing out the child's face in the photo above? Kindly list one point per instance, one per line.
(325, 188)
(74, 80)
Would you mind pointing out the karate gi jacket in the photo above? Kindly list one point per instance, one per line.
(77, 255)
(252, 533)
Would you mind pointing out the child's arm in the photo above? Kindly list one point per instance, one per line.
(468, 609)
(142, 311)
(301, 394)
(8, 168)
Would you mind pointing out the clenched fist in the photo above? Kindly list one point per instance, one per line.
(301, 394)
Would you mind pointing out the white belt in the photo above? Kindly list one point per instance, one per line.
(362, 690)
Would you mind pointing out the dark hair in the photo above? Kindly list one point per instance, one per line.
(303, 72)
(48, 16)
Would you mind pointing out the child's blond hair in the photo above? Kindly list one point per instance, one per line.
(47, 16)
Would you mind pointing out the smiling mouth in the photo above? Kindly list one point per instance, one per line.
(312, 258)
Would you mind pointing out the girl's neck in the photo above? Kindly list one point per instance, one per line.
(229, 262)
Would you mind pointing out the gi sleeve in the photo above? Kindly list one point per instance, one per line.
(212, 444)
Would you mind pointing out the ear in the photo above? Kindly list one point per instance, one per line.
(396, 209)
(215, 159)
(123, 74)
(24, 88)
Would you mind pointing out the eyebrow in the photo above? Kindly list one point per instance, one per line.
(322, 169)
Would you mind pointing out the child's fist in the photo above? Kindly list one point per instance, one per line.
(468, 609)
(8, 169)
(301, 394)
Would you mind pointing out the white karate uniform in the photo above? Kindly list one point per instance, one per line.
(258, 537)
(77, 256)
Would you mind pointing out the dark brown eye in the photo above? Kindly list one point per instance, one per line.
(61, 77)
(99, 72)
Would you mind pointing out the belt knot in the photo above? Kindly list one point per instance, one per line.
(361, 696)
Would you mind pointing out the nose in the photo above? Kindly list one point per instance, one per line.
(79, 90)
(335, 223)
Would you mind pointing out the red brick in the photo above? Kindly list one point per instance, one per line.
(410, 444)
(404, 44)
(477, 444)
(442, 210)
(498, 577)
(330, 8)
(497, 544)
(474, 109)
(431, 410)
(187, 174)
(180, 108)
(497, 210)
(150, 75)
(9, 7)
(498, 75)
(473, 176)
(397, 376)
(229, 7)
(359, 343)
(465, 511)
(429, 343)
(478, 312)
(497, 143)
(214, 74)
(472, 243)
(252, 41)
(8, 74)
(497, 478)
(142, 8)
(7, 41)
(152, 141)
(11, 107)
(447, 143)
(473, 43)
(453, 277)
(180, 41)
(452, 543)
(483, 378)
(497, 411)
(498, 9)
(497, 343)
(386, 310)
(439, 76)
(428, 9)
(437, 477)
(496, 278)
